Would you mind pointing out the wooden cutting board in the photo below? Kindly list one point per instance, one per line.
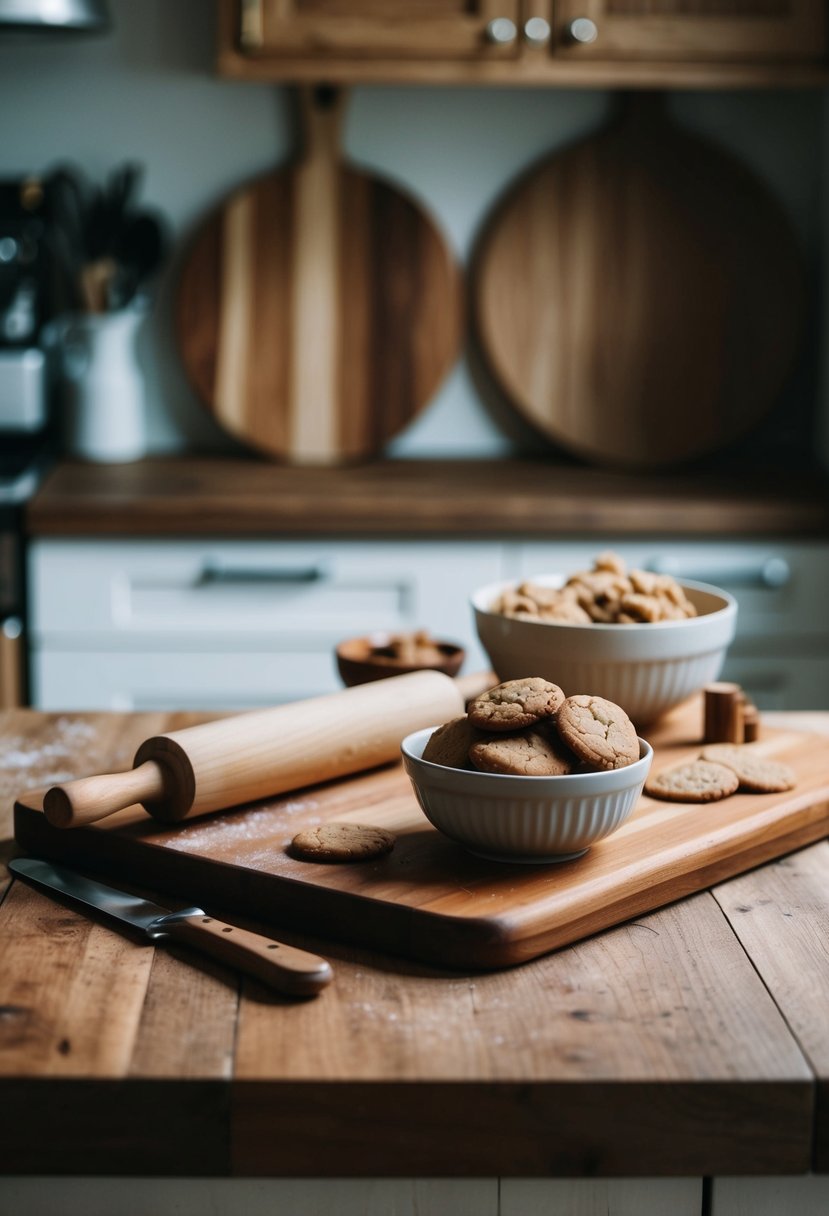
(319, 306)
(639, 295)
(430, 899)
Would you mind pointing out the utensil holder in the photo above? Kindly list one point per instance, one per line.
(103, 386)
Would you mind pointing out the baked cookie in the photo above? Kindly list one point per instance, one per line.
(598, 731)
(696, 781)
(515, 704)
(531, 753)
(342, 842)
(449, 745)
(756, 773)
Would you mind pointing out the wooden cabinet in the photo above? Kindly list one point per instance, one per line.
(556, 42)
(716, 30)
(328, 30)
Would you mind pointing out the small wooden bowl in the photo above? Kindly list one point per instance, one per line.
(361, 660)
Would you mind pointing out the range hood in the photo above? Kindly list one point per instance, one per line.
(54, 16)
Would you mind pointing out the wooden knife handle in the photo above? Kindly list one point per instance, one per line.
(285, 968)
(92, 798)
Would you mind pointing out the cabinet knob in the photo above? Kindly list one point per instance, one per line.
(537, 31)
(582, 30)
(501, 31)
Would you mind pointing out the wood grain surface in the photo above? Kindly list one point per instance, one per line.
(658, 1048)
(639, 295)
(792, 890)
(210, 496)
(430, 899)
(319, 306)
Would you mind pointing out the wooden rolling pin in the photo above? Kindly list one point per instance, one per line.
(257, 755)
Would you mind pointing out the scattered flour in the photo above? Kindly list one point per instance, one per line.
(263, 827)
(17, 753)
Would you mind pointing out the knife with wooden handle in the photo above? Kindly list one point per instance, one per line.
(284, 968)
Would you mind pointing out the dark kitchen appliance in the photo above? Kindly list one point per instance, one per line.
(26, 303)
(54, 16)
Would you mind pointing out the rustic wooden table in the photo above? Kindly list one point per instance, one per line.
(691, 1043)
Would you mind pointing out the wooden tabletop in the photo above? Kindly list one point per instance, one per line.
(192, 496)
(691, 1041)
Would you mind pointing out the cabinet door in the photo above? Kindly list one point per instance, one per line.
(364, 29)
(761, 30)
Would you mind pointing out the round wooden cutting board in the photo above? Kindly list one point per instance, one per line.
(639, 296)
(319, 307)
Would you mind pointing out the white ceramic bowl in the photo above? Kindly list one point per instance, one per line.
(529, 819)
(646, 668)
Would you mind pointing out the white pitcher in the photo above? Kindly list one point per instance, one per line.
(103, 392)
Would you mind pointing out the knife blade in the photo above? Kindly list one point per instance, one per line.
(285, 968)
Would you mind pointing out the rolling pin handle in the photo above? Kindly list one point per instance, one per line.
(92, 798)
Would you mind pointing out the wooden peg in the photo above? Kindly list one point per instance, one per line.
(723, 714)
(751, 722)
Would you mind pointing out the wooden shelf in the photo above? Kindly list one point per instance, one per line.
(211, 496)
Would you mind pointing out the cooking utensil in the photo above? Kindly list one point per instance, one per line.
(429, 898)
(254, 755)
(639, 296)
(319, 307)
(105, 244)
(285, 968)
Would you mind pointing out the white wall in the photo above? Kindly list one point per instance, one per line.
(149, 91)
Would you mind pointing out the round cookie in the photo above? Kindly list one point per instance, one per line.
(598, 731)
(342, 842)
(528, 754)
(756, 773)
(449, 745)
(697, 781)
(515, 704)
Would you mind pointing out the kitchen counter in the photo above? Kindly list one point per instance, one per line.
(692, 1041)
(193, 496)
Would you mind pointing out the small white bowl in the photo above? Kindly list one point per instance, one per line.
(526, 819)
(647, 669)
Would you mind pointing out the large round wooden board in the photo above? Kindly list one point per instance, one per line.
(319, 307)
(639, 296)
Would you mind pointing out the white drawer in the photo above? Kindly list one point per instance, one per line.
(139, 625)
(147, 680)
(176, 594)
(780, 588)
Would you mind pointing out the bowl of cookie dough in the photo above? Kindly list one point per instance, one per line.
(645, 641)
(537, 793)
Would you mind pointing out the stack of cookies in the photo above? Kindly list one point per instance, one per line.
(528, 728)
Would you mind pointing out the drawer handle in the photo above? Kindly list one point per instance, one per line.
(213, 574)
(770, 574)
